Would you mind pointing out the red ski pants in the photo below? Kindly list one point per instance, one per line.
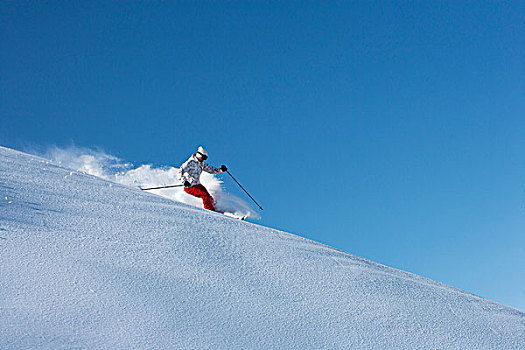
(200, 191)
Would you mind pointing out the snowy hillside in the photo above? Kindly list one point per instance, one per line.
(87, 263)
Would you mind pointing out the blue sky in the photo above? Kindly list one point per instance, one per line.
(391, 130)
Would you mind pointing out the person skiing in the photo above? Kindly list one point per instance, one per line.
(190, 172)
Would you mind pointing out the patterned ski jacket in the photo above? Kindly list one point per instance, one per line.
(192, 169)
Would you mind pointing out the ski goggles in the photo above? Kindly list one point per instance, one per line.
(202, 155)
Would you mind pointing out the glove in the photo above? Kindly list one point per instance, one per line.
(187, 184)
(224, 168)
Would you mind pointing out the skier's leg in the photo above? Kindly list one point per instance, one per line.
(200, 191)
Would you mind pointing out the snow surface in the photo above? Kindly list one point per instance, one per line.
(90, 264)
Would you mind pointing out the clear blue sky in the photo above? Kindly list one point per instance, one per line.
(391, 130)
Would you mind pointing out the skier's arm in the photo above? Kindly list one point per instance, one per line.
(185, 174)
(211, 169)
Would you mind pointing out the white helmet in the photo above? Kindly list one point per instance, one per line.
(203, 152)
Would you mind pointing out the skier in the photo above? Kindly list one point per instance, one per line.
(190, 172)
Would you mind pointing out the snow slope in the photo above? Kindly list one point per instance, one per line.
(87, 263)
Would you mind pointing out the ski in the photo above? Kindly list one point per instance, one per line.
(234, 216)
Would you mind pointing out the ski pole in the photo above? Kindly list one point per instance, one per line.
(156, 188)
(244, 189)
